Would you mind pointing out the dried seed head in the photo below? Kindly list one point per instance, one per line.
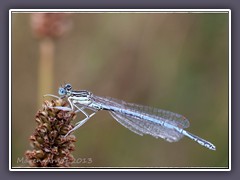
(50, 147)
(51, 25)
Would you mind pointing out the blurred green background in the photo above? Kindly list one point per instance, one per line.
(173, 61)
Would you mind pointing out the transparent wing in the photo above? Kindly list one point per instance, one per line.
(142, 127)
(126, 123)
(171, 117)
(162, 115)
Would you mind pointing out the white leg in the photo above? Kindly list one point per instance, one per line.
(80, 123)
(62, 108)
(70, 102)
(51, 95)
(80, 109)
(58, 107)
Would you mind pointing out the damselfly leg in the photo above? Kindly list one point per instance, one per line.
(51, 95)
(72, 102)
(80, 123)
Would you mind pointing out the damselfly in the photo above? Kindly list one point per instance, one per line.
(137, 118)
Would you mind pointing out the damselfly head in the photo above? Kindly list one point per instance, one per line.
(65, 91)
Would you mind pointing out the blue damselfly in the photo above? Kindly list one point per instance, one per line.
(137, 118)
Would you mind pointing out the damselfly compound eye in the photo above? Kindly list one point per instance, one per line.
(61, 91)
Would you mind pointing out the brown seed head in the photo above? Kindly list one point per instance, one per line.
(50, 147)
(51, 25)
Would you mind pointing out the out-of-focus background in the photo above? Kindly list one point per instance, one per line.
(173, 61)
